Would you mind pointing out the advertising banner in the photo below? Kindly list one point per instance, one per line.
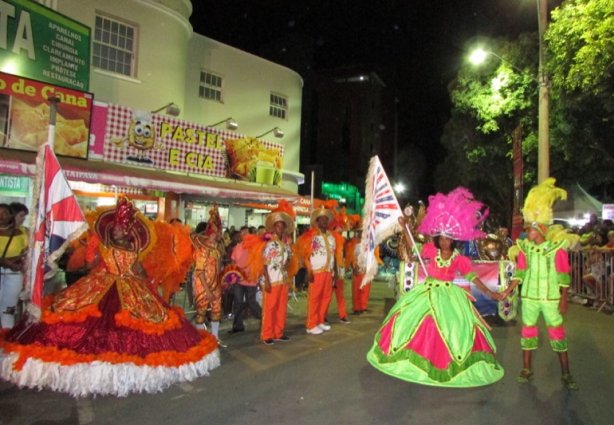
(167, 143)
(24, 116)
(14, 185)
(39, 43)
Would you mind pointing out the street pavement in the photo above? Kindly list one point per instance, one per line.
(325, 379)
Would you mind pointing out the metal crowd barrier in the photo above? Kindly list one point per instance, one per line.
(600, 264)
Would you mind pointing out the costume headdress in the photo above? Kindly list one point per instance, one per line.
(355, 222)
(323, 210)
(340, 221)
(214, 225)
(456, 215)
(125, 213)
(537, 210)
(139, 228)
(284, 212)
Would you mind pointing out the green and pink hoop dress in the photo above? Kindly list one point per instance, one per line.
(433, 335)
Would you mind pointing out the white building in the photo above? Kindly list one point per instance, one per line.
(145, 55)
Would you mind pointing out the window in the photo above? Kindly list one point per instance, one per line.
(210, 86)
(279, 106)
(114, 46)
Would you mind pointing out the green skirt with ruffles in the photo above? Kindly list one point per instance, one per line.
(433, 335)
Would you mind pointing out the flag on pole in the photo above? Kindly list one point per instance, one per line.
(58, 219)
(380, 218)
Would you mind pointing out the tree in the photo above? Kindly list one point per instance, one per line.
(581, 43)
(489, 103)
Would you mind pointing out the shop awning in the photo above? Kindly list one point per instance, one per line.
(23, 163)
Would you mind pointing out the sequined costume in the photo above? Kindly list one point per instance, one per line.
(205, 282)
(107, 334)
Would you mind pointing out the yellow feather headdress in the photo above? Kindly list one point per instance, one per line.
(538, 204)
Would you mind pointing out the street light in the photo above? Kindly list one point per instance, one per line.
(399, 187)
(478, 56)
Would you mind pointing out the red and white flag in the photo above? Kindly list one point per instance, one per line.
(58, 220)
(380, 217)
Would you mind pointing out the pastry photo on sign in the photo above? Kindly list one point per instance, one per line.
(251, 160)
(28, 128)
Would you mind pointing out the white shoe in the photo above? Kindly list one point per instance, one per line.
(324, 327)
(316, 330)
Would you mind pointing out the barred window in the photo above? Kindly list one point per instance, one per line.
(278, 106)
(210, 86)
(114, 46)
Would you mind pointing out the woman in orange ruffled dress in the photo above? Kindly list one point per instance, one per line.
(109, 333)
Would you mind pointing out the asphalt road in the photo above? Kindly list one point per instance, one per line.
(325, 379)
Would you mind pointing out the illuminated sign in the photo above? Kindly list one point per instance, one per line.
(39, 43)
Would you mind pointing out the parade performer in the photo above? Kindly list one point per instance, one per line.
(207, 261)
(316, 249)
(337, 225)
(360, 295)
(108, 333)
(272, 259)
(544, 274)
(433, 335)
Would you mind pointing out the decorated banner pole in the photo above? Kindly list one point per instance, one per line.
(381, 216)
(415, 249)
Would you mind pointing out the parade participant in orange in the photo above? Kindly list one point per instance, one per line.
(205, 282)
(337, 225)
(316, 248)
(360, 295)
(109, 333)
(277, 254)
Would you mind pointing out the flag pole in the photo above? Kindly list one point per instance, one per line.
(53, 109)
(415, 249)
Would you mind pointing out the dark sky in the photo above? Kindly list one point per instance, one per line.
(418, 43)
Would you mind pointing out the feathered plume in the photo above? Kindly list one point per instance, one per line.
(456, 215)
(538, 204)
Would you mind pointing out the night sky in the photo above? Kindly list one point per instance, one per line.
(418, 45)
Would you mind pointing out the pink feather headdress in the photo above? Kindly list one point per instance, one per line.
(456, 215)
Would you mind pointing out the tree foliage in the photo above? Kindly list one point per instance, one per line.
(489, 102)
(581, 44)
(581, 63)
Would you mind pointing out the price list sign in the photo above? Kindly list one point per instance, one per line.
(39, 43)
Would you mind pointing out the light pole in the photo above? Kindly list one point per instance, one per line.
(543, 131)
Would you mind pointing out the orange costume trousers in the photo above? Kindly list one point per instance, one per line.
(360, 297)
(318, 298)
(274, 308)
(340, 296)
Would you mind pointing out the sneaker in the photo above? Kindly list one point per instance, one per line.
(344, 320)
(316, 330)
(234, 331)
(283, 338)
(269, 341)
(324, 327)
(221, 344)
